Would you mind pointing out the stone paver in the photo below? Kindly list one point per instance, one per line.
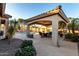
(44, 46)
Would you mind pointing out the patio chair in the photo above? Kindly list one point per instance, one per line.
(30, 36)
(50, 34)
(41, 34)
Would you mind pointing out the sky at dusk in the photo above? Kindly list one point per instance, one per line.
(27, 10)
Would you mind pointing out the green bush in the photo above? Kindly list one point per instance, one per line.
(75, 38)
(26, 43)
(18, 53)
(26, 51)
(10, 32)
(68, 36)
(72, 37)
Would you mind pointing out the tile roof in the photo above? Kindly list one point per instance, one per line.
(2, 11)
(56, 10)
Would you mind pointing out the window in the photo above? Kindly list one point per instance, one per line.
(2, 21)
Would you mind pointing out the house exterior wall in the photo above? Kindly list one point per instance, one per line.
(3, 16)
(4, 27)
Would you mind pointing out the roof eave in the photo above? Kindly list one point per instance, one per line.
(55, 11)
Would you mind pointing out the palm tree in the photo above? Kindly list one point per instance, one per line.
(20, 20)
(77, 25)
(69, 27)
(12, 29)
(13, 22)
(62, 25)
(73, 25)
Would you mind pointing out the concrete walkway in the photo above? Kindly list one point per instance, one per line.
(45, 47)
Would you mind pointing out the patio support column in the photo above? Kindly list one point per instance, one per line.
(55, 30)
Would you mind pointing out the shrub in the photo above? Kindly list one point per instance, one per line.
(26, 43)
(10, 32)
(26, 51)
(75, 38)
(72, 37)
(18, 53)
(68, 36)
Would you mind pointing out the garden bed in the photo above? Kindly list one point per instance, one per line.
(26, 49)
(72, 37)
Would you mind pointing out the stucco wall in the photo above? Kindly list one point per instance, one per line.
(5, 27)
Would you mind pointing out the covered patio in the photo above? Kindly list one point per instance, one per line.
(51, 18)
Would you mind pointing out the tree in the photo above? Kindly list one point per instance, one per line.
(73, 25)
(62, 25)
(11, 29)
(20, 20)
(69, 27)
(13, 22)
